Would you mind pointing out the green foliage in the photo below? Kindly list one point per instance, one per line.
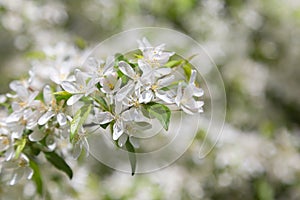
(21, 144)
(158, 111)
(35, 55)
(131, 155)
(62, 95)
(79, 119)
(37, 178)
(174, 63)
(264, 190)
(59, 163)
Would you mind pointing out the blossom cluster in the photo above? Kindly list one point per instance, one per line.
(60, 101)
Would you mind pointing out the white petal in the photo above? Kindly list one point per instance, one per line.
(187, 110)
(77, 150)
(122, 140)
(162, 71)
(37, 135)
(118, 106)
(50, 142)
(144, 67)
(69, 87)
(61, 119)
(32, 96)
(109, 63)
(134, 142)
(103, 117)
(179, 94)
(118, 131)
(73, 99)
(193, 76)
(9, 154)
(46, 117)
(123, 92)
(164, 96)
(28, 173)
(197, 92)
(22, 92)
(2, 98)
(14, 117)
(47, 95)
(17, 175)
(146, 96)
(126, 69)
(81, 77)
(163, 82)
(92, 63)
(16, 106)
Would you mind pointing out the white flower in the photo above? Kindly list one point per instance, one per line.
(6, 142)
(24, 98)
(18, 168)
(83, 86)
(94, 66)
(121, 118)
(61, 72)
(80, 142)
(28, 120)
(53, 110)
(110, 83)
(185, 96)
(154, 56)
(155, 90)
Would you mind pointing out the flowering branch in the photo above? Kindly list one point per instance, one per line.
(120, 93)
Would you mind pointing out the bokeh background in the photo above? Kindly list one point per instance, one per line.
(256, 46)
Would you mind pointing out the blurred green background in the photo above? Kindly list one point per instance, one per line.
(256, 46)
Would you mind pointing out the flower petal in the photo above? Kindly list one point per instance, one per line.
(37, 135)
(162, 71)
(118, 130)
(146, 69)
(17, 175)
(126, 69)
(77, 150)
(123, 92)
(163, 82)
(146, 96)
(73, 99)
(103, 117)
(134, 142)
(122, 140)
(69, 87)
(61, 119)
(46, 117)
(47, 95)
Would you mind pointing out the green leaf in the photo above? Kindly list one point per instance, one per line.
(101, 101)
(174, 63)
(131, 155)
(138, 56)
(187, 70)
(21, 144)
(79, 119)
(62, 95)
(59, 163)
(104, 126)
(36, 55)
(119, 57)
(80, 43)
(264, 190)
(37, 177)
(160, 112)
